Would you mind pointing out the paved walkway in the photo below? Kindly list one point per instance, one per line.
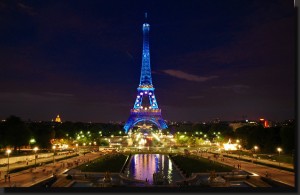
(275, 174)
(282, 164)
(32, 176)
(3, 169)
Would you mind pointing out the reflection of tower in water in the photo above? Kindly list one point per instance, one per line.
(143, 166)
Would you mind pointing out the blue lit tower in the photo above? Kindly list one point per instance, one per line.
(146, 110)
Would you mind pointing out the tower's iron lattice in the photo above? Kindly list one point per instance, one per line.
(146, 110)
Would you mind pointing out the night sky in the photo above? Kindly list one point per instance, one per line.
(209, 59)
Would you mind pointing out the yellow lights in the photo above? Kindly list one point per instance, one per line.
(57, 119)
(8, 151)
(32, 141)
(279, 149)
(255, 148)
(35, 149)
(145, 86)
(76, 145)
(95, 143)
(53, 147)
(239, 146)
(237, 141)
(229, 146)
(261, 119)
(155, 136)
(84, 144)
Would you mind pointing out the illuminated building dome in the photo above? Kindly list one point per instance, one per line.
(57, 119)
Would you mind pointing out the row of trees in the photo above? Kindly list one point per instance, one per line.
(267, 139)
(16, 133)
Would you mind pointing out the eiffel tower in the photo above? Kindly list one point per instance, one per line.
(146, 110)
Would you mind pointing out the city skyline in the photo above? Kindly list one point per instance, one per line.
(224, 60)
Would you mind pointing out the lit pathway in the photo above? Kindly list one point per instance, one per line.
(275, 174)
(12, 166)
(27, 178)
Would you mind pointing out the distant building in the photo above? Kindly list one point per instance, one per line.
(57, 119)
(265, 123)
(216, 121)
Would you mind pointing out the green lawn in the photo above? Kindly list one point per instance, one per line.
(194, 164)
(108, 162)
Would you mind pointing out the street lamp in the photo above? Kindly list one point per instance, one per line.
(53, 147)
(8, 151)
(279, 150)
(35, 149)
(239, 146)
(255, 148)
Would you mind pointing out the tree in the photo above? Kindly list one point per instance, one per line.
(16, 132)
(288, 138)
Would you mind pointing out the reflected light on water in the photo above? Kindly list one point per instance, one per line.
(144, 165)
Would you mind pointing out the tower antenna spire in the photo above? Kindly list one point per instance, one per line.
(146, 16)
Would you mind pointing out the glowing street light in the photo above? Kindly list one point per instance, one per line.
(8, 151)
(239, 146)
(35, 150)
(279, 150)
(76, 148)
(31, 141)
(255, 148)
(53, 147)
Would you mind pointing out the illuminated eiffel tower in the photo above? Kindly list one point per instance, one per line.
(146, 110)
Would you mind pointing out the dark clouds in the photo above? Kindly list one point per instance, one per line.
(210, 59)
